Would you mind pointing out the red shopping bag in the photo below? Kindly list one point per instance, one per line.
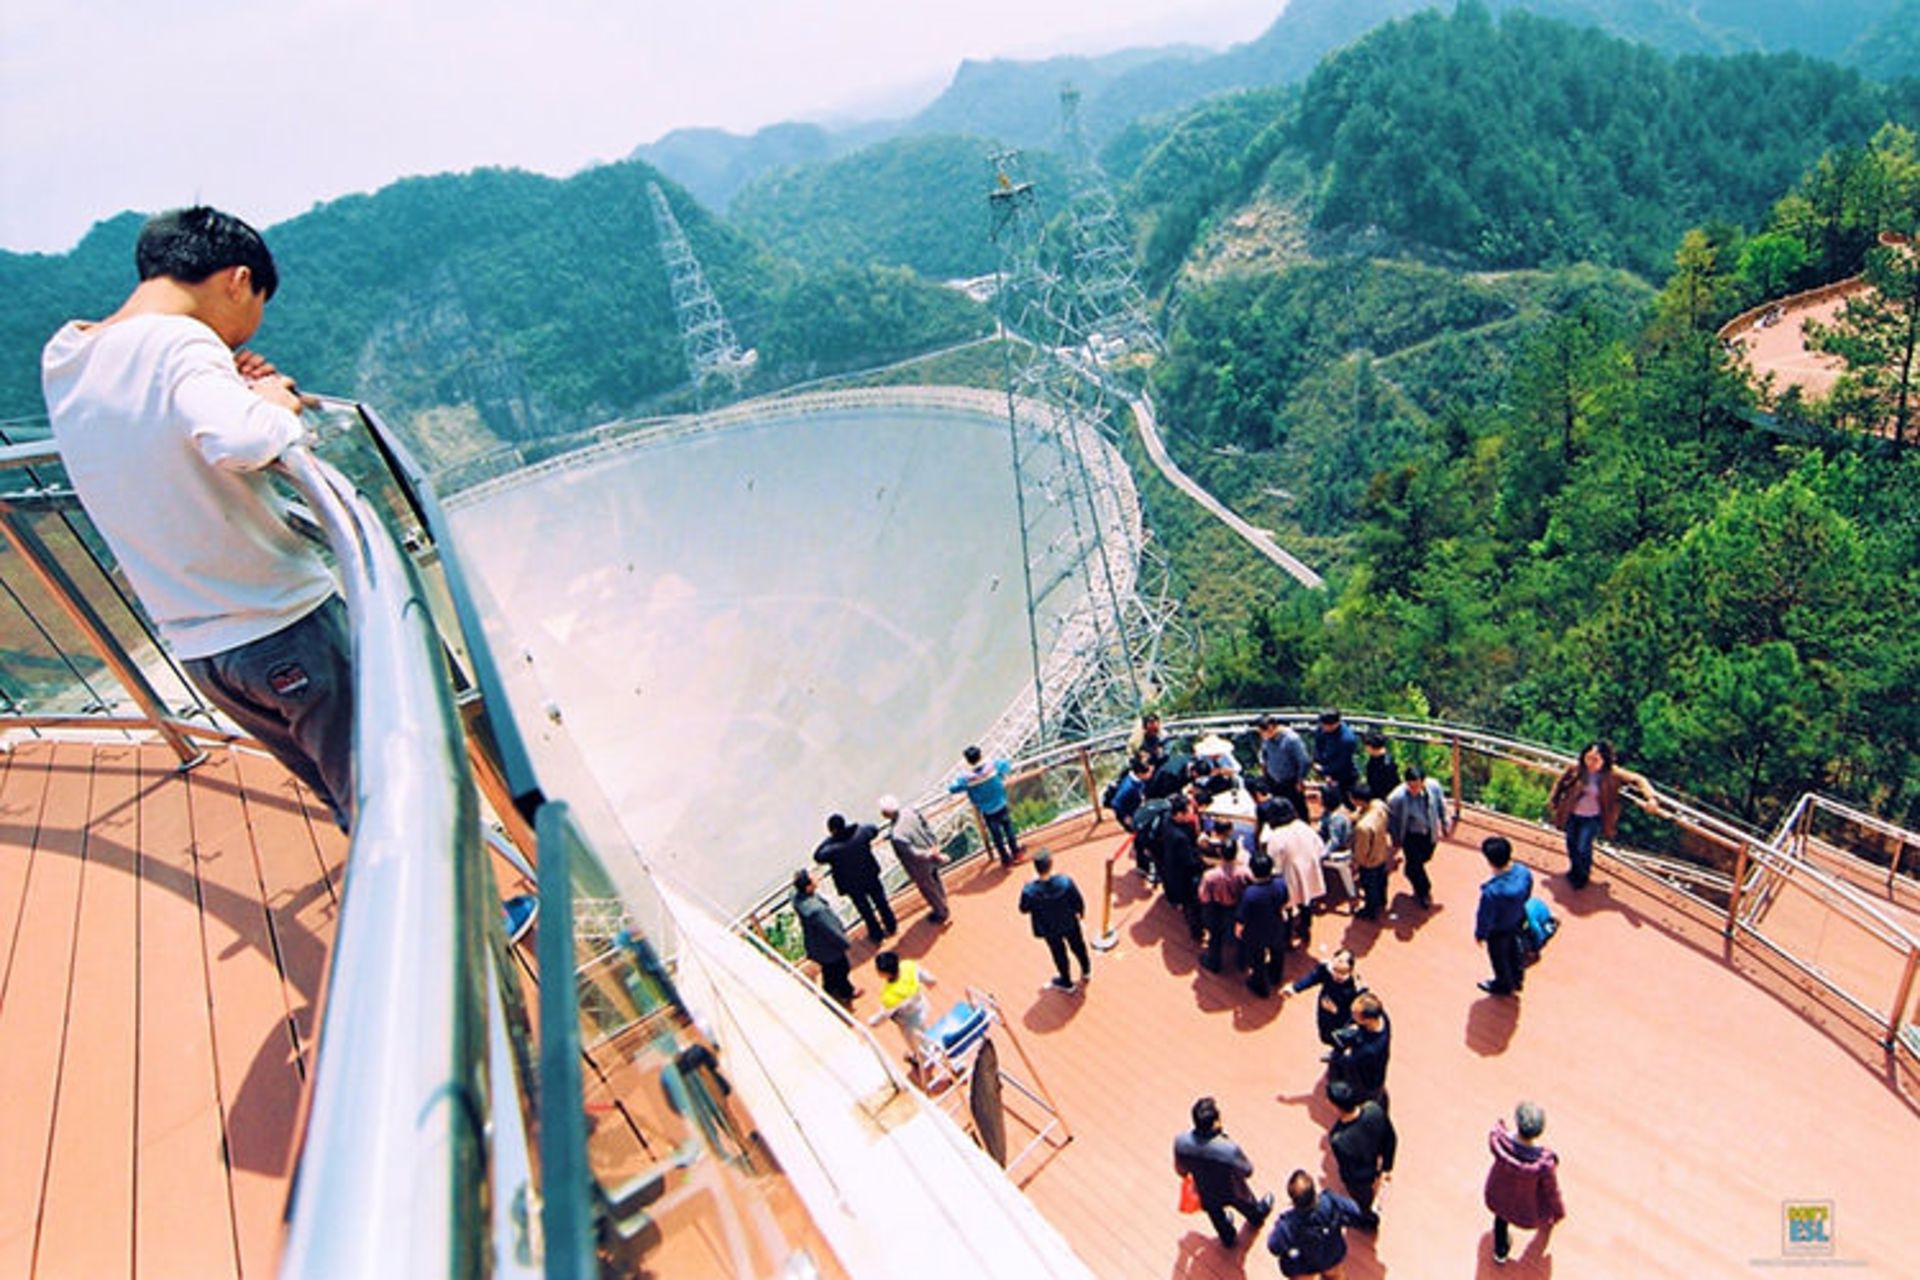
(1189, 1195)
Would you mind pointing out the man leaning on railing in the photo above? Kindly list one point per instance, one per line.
(165, 426)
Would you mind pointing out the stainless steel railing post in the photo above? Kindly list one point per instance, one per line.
(35, 554)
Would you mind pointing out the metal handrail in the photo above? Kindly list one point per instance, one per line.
(1761, 860)
(393, 1174)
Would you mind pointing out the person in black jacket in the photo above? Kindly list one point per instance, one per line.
(1364, 1143)
(1310, 1238)
(1262, 926)
(1339, 983)
(1360, 1051)
(1220, 1170)
(1055, 904)
(1179, 862)
(824, 938)
(847, 853)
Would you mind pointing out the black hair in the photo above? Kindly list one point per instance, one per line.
(1042, 863)
(189, 245)
(836, 823)
(1498, 850)
(1374, 738)
(1413, 773)
(1300, 1190)
(1278, 813)
(1359, 793)
(1261, 864)
(1330, 716)
(1206, 1116)
(888, 962)
(802, 880)
(971, 755)
(1605, 749)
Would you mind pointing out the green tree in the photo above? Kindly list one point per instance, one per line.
(1877, 333)
(1770, 262)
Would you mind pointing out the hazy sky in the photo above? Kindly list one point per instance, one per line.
(268, 108)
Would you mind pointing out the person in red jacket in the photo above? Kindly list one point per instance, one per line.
(1523, 1186)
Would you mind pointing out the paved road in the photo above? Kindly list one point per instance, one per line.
(1260, 540)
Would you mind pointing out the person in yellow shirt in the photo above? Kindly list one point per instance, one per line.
(903, 999)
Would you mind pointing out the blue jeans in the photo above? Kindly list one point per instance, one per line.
(292, 692)
(1006, 842)
(1581, 833)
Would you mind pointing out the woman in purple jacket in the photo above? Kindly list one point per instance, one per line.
(1523, 1187)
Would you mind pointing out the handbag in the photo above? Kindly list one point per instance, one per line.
(1189, 1195)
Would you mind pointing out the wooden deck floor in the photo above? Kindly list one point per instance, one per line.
(163, 938)
(1691, 1091)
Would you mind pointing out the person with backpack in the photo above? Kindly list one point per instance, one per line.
(1128, 792)
(1310, 1239)
(1148, 820)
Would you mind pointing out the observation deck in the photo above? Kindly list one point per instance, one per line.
(1693, 1088)
(1721, 1031)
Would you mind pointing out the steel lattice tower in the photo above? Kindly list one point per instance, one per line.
(1110, 305)
(1104, 655)
(711, 349)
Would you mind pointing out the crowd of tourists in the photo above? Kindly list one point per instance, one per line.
(1246, 859)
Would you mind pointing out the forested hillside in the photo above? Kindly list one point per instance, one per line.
(1522, 141)
(1579, 528)
(910, 202)
(520, 304)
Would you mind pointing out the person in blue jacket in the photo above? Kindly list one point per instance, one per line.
(1336, 748)
(1310, 1239)
(986, 785)
(1503, 916)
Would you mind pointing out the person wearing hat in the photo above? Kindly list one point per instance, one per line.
(847, 853)
(1218, 752)
(1364, 1143)
(919, 853)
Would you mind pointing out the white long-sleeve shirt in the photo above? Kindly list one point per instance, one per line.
(164, 443)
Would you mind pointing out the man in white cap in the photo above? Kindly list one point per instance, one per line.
(919, 852)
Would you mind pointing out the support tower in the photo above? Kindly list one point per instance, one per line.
(713, 354)
(1104, 655)
(1108, 299)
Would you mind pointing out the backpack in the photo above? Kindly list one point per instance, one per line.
(1540, 927)
(1312, 1238)
(1149, 823)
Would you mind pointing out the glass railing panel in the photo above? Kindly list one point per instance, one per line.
(51, 666)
